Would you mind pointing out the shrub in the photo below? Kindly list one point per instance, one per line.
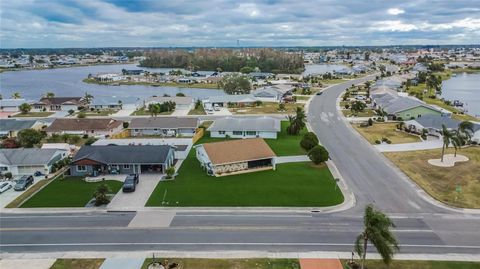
(81, 115)
(309, 141)
(388, 141)
(318, 154)
(281, 107)
(347, 106)
(258, 103)
(384, 139)
(85, 136)
(377, 142)
(90, 141)
(170, 172)
(125, 124)
(100, 195)
(8, 175)
(370, 122)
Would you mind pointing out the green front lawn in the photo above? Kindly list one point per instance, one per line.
(33, 114)
(291, 184)
(69, 192)
(145, 112)
(192, 263)
(396, 264)
(77, 264)
(285, 144)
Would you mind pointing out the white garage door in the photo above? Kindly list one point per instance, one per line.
(29, 170)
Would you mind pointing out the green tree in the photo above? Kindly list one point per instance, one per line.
(309, 141)
(49, 95)
(377, 231)
(246, 70)
(180, 94)
(357, 106)
(16, 95)
(29, 137)
(25, 108)
(465, 130)
(100, 195)
(318, 154)
(88, 97)
(170, 172)
(235, 84)
(81, 115)
(447, 137)
(297, 122)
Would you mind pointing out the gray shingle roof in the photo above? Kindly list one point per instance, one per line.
(265, 124)
(27, 156)
(124, 154)
(15, 125)
(436, 121)
(163, 122)
(238, 98)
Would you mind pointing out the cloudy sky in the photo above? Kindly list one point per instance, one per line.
(98, 23)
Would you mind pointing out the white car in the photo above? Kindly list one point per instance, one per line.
(4, 186)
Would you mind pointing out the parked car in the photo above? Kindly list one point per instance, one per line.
(4, 186)
(130, 183)
(319, 93)
(23, 183)
(38, 174)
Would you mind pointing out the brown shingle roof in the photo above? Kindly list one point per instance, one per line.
(82, 125)
(61, 100)
(163, 122)
(238, 150)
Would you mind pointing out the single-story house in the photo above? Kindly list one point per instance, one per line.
(181, 102)
(26, 161)
(432, 123)
(113, 159)
(269, 94)
(235, 156)
(11, 105)
(163, 126)
(224, 100)
(11, 127)
(59, 104)
(90, 127)
(405, 107)
(113, 103)
(245, 127)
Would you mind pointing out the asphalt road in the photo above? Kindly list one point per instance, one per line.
(420, 226)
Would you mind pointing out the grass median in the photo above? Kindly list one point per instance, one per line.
(230, 263)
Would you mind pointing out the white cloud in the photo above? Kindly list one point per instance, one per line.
(395, 11)
(393, 26)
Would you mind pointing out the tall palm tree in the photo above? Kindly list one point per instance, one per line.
(447, 136)
(88, 97)
(377, 231)
(49, 95)
(457, 142)
(297, 122)
(465, 130)
(16, 95)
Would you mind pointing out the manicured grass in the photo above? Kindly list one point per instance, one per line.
(441, 182)
(33, 114)
(365, 113)
(69, 192)
(145, 112)
(266, 108)
(396, 264)
(231, 263)
(199, 111)
(285, 144)
(388, 130)
(27, 193)
(291, 184)
(77, 264)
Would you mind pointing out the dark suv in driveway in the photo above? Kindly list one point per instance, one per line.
(23, 183)
(130, 183)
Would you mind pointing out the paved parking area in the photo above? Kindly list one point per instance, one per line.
(138, 198)
(10, 195)
(122, 263)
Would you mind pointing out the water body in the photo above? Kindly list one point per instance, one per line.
(323, 68)
(465, 88)
(32, 84)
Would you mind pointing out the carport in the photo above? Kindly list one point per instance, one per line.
(151, 168)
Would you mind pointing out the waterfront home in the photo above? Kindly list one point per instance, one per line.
(113, 103)
(27, 161)
(125, 159)
(181, 102)
(11, 127)
(235, 156)
(432, 123)
(88, 127)
(227, 99)
(261, 75)
(245, 127)
(163, 126)
(403, 107)
(109, 77)
(11, 105)
(275, 93)
(59, 104)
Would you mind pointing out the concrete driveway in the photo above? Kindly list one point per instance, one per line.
(138, 198)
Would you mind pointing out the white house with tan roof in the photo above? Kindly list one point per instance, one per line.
(235, 156)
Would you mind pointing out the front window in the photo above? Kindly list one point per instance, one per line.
(221, 132)
(126, 166)
(251, 133)
(237, 132)
(81, 168)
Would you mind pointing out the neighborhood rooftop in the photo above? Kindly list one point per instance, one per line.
(163, 122)
(60, 100)
(82, 124)
(234, 151)
(179, 100)
(268, 124)
(26, 156)
(112, 154)
(15, 125)
(436, 122)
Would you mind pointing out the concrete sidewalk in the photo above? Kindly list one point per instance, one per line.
(292, 159)
(26, 263)
(122, 263)
(425, 145)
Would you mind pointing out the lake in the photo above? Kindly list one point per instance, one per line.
(465, 88)
(32, 84)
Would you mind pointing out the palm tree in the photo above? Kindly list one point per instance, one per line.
(49, 95)
(457, 142)
(465, 130)
(377, 231)
(16, 95)
(297, 122)
(88, 97)
(447, 139)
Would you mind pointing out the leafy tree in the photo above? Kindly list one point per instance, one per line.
(81, 115)
(25, 108)
(180, 94)
(125, 124)
(198, 104)
(318, 154)
(49, 95)
(357, 106)
(16, 95)
(246, 70)
(309, 141)
(8, 175)
(9, 143)
(100, 195)
(297, 122)
(29, 137)
(235, 84)
(88, 97)
(377, 231)
(170, 172)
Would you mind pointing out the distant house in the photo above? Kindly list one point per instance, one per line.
(113, 159)
(403, 107)
(432, 123)
(163, 126)
(11, 127)
(235, 156)
(224, 100)
(261, 75)
(59, 104)
(113, 103)
(133, 72)
(245, 127)
(26, 161)
(274, 93)
(181, 146)
(90, 127)
(181, 102)
(11, 105)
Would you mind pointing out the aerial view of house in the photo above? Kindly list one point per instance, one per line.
(273, 93)
(59, 104)
(432, 123)
(245, 127)
(11, 105)
(10, 127)
(163, 126)
(26, 161)
(403, 107)
(235, 156)
(181, 102)
(113, 103)
(90, 127)
(123, 159)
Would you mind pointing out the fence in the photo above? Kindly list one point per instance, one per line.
(198, 134)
